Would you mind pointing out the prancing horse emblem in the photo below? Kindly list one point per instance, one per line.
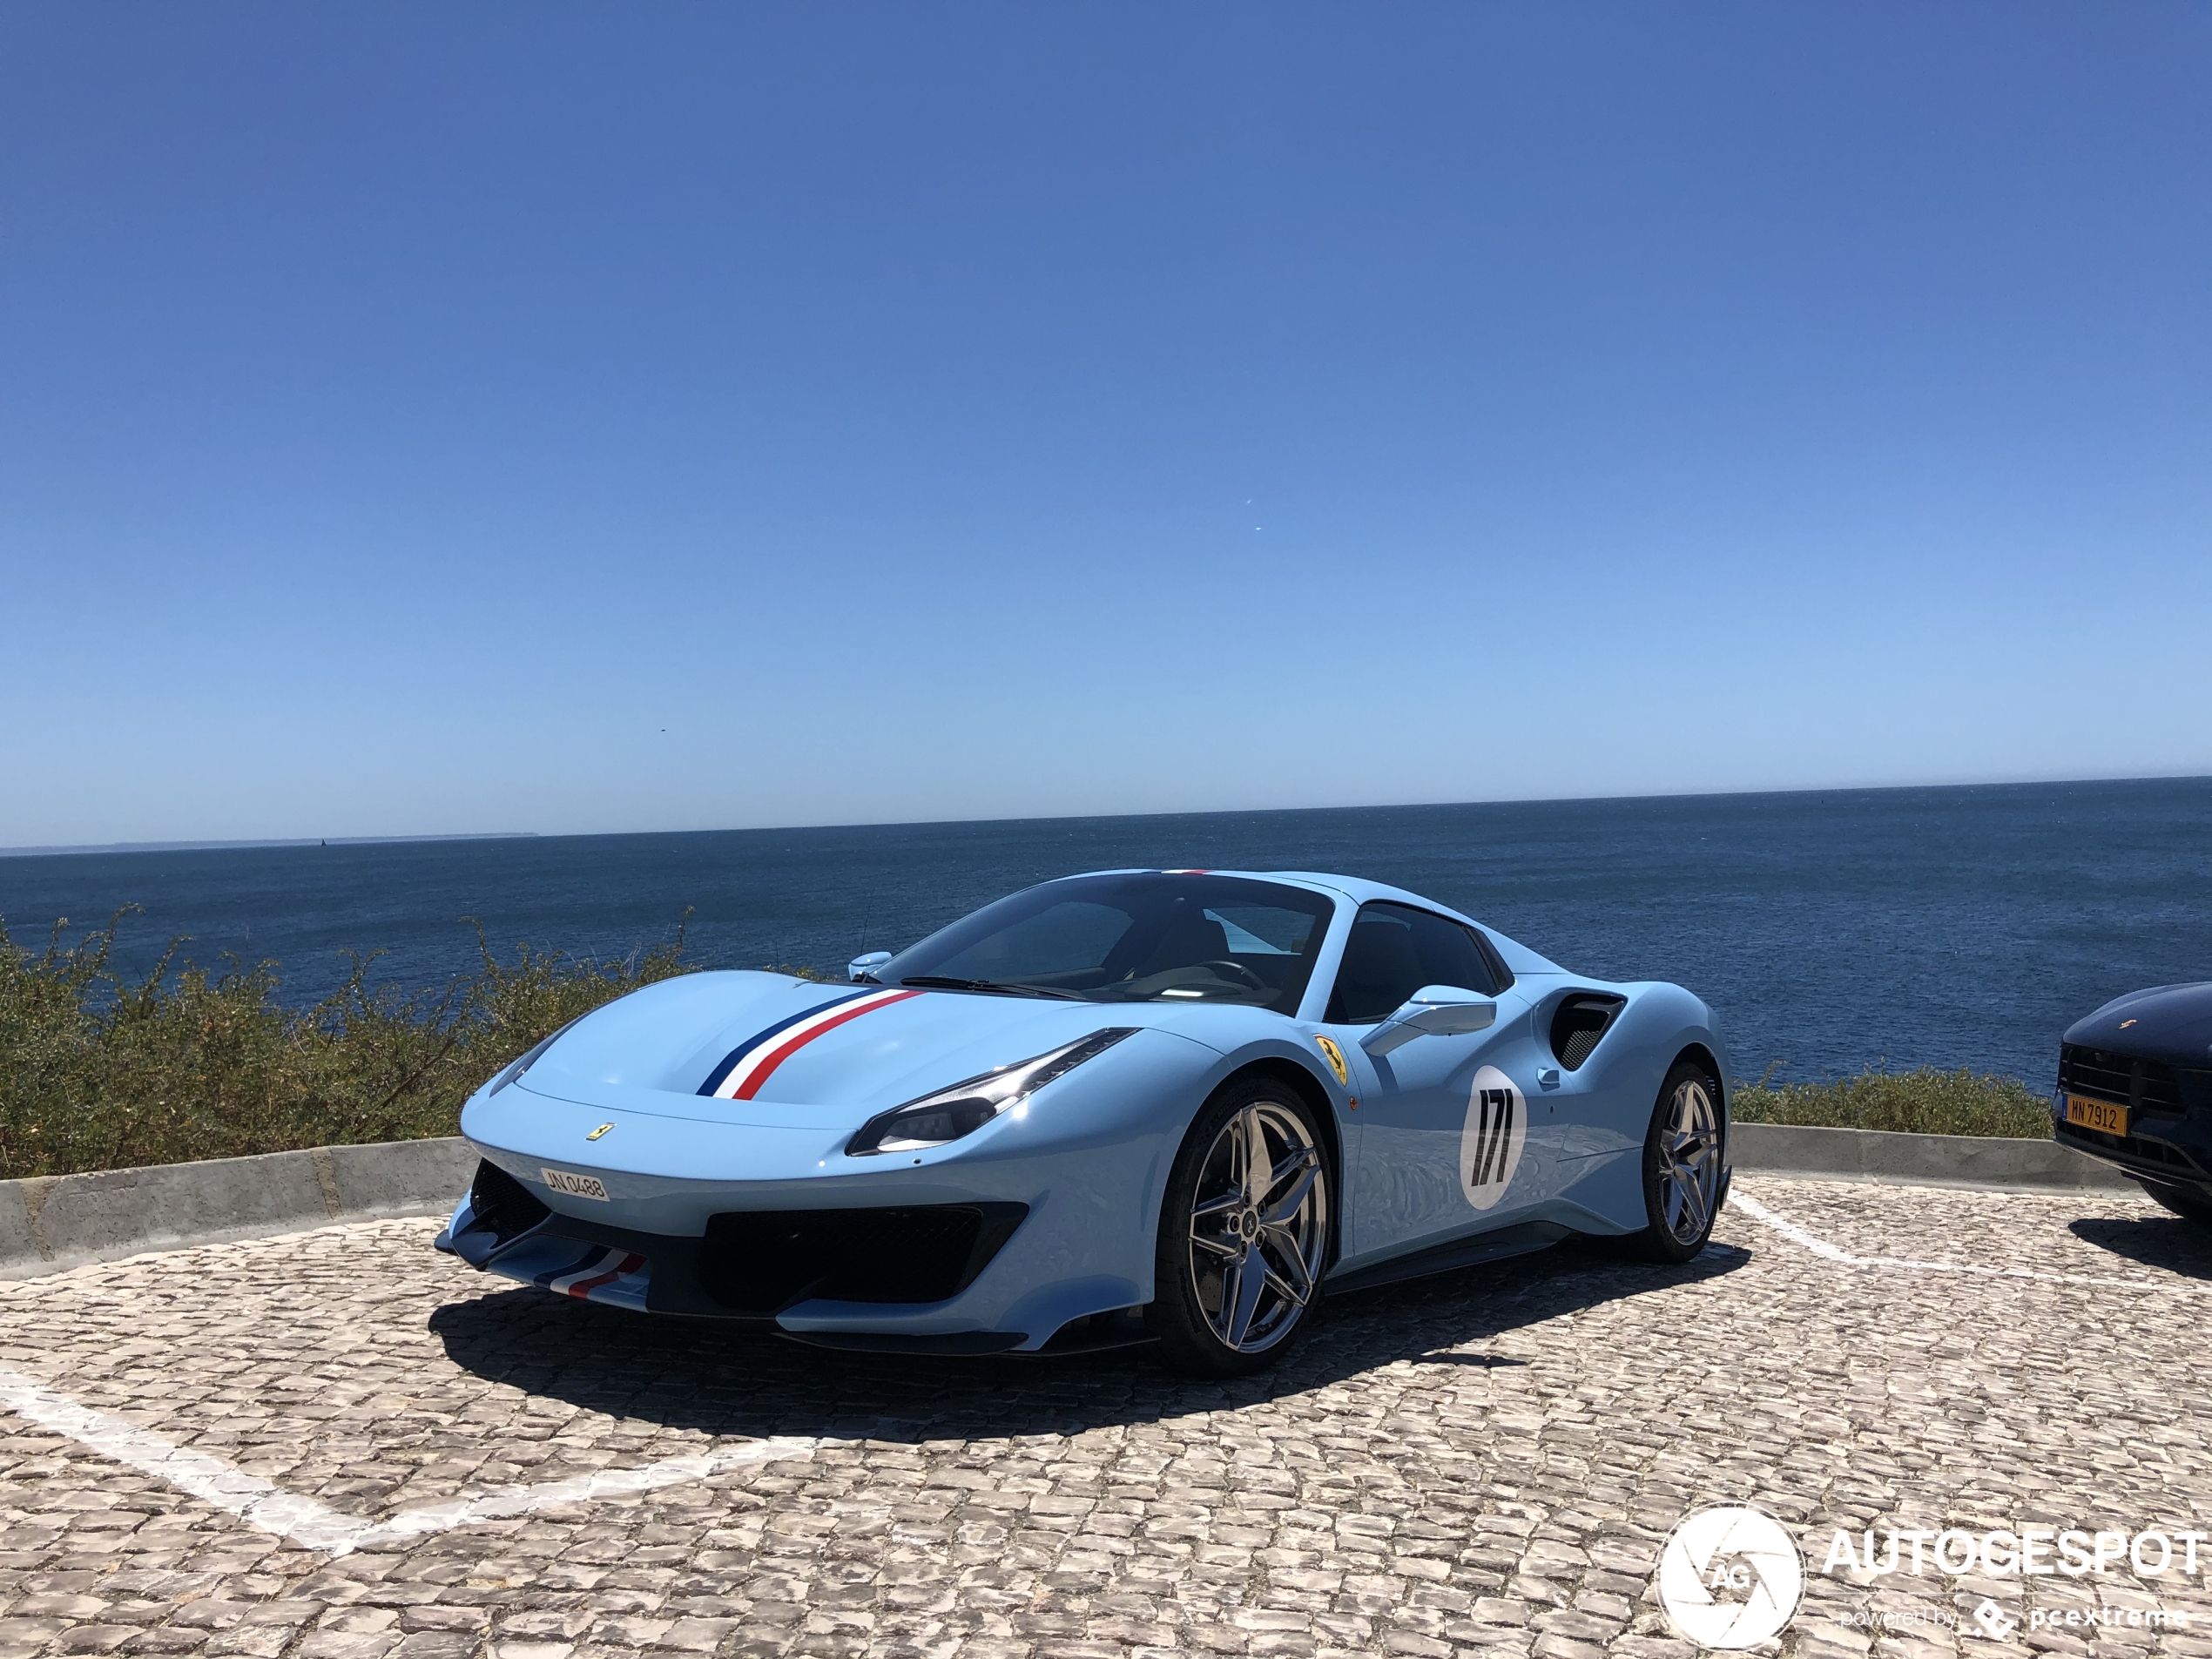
(597, 1132)
(1334, 1055)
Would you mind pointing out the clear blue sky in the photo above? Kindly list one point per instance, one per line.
(436, 418)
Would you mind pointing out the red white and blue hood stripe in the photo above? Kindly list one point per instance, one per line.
(747, 1068)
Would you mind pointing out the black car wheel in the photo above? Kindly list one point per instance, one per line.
(2180, 1203)
(1244, 1233)
(1682, 1166)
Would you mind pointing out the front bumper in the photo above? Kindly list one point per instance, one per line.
(2169, 1148)
(749, 1265)
(1058, 1196)
(926, 1277)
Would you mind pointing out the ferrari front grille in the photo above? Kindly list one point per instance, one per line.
(763, 1261)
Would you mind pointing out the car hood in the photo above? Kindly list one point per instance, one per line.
(2168, 1023)
(748, 1048)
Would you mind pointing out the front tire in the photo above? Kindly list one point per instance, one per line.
(1682, 1166)
(2180, 1203)
(1244, 1233)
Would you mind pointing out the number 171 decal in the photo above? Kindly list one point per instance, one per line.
(1497, 1128)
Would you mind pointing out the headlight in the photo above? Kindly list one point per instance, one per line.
(964, 1107)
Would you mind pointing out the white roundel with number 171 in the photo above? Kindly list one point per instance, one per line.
(1497, 1128)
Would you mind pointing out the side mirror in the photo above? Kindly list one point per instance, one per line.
(861, 969)
(1433, 1011)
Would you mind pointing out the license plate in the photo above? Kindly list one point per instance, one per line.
(2096, 1113)
(576, 1186)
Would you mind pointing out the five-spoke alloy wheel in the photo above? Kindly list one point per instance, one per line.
(1243, 1233)
(1681, 1165)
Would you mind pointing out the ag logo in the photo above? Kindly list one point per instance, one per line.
(1730, 1577)
(1497, 1127)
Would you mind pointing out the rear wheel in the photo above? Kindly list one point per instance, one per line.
(1244, 1233)
(2181, 1203)
(1682, 1166)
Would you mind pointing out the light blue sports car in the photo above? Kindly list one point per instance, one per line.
(1143, 1104)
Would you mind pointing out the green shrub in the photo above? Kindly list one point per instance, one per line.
(1925, 1101)
(98, 1074)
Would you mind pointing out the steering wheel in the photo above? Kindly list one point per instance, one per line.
(1239, 971)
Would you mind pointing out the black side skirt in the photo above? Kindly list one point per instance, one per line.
(1461, 1252)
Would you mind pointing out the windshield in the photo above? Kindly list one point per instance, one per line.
(1139, 938)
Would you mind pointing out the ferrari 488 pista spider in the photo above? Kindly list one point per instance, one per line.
(1146, 1104)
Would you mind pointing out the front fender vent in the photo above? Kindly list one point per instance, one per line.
(1581, 1020)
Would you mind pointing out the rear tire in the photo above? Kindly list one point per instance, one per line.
(2180, 1203)
(1682, 1166)
(1244, 1233)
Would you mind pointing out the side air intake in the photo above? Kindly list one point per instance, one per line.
(1580, 1021)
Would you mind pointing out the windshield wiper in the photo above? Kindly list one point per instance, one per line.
(938, 981)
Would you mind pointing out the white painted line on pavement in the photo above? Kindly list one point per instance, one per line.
(317, 1526)
(1738, 1199)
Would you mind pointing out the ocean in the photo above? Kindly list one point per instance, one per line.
(1830, 930)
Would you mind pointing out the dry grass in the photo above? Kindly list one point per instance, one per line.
(1925, 1101)
(97, 1073)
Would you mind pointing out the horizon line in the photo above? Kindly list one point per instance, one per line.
(274, 843)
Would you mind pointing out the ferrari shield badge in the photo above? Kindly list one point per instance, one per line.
(1334, 1055)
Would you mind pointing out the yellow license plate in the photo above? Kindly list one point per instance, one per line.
(2096, 1113)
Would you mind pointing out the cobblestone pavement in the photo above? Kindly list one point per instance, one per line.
(1485, 1462)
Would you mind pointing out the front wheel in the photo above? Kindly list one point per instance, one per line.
(2180, 1201)
(1244, 1233)
(1682, 1166)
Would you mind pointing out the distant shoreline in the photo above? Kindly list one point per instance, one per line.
(1841, 791)
(235, 847)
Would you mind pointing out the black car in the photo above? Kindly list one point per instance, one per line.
(2135, 1089)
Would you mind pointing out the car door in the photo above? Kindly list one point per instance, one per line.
(1445, 1141)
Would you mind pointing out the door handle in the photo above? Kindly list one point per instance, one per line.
(1547, 1077)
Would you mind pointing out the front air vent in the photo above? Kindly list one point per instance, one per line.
(1579, 1021)
(502, 1203)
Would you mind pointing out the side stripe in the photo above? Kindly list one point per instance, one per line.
(747, 1067)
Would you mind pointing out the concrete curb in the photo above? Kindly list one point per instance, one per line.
(53, 1222)
(61, 1221)
(1919, 1160)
